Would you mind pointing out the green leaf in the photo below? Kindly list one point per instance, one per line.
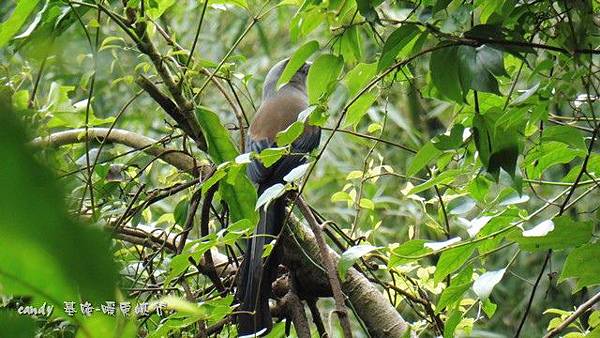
(16, 326)
(359, 108)
(564, 134)
(491, 59)
(451, 260)
(394, 44)
(488, 307)
(322, 74)
(495, 32)
(239, 3)
(159, 7)
(567, 233)
(451, 296)
(444, 70)
(451, 323)
(498, 137)
(290, 134)
(296, 61)
(443, 178)
(367, 9)
(473, 72)
(10, 27)
(350, 256)
(549, 154)
(581, 264)
(341, 196)
(426, 154)
(351, 45)
(452, 141)
(194, 249)
(181, 211)
(220, 146)
(403, 253)
(359, 77)
(269, 156)
(240, 195)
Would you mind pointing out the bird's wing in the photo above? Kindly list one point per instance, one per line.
(276, 115)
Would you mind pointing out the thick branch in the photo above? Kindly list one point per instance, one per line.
(179, 160)
(302, 255)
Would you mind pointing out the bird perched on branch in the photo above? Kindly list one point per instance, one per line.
(279, 109)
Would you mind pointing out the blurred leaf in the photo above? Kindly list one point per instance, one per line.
(451, 323)
(443, 178)
(181, 212)
(45, 254)
(367, 9)
(451, 141)
(16, 326)
(156, 8)
(581, 265)
(11, 26)
(350, 45)
(461, 205)
(359, 108)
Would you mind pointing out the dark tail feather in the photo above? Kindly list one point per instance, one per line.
(255, 281)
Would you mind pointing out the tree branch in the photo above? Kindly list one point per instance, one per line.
(580, 310)
(179, 160)
(301, 252)
(340, 306)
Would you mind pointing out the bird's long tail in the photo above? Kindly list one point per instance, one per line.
(255, 281)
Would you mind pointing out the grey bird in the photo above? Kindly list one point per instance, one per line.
(279, 109)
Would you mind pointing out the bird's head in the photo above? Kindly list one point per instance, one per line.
(297, 81)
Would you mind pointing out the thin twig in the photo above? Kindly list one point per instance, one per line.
(580, 310)
(334, 282)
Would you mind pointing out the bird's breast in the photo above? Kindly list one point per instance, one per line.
(275, 115)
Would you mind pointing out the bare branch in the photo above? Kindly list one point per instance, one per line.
(179, 160)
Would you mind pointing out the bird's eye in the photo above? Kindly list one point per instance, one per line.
(305, 69)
